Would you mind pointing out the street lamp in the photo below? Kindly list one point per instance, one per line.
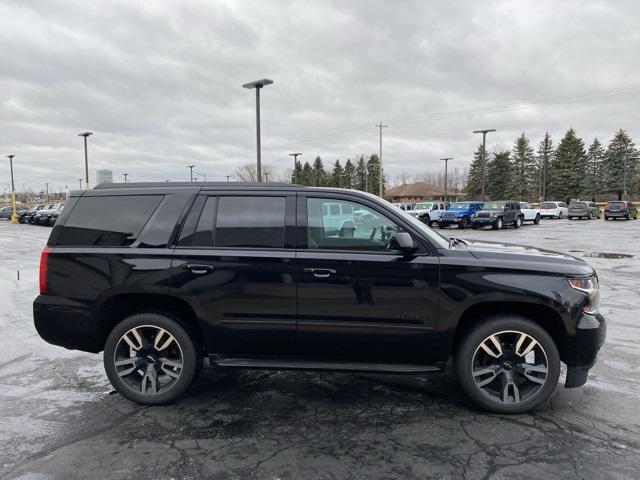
(86, 158)
(257, 85)
(295, 163)
(125, 175)
(47, 186)
(190, 167)
(14, 218)
(484, 154)
(446, 164)
(266, 176)
(80, 180)
(228, 178)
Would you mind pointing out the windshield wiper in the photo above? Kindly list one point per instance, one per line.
(455, 241)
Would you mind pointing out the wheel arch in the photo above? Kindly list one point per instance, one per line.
(118, 307)
(542, 315)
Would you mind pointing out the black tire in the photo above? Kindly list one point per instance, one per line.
(517, 223)
(441, 225)
(426, 220)
(464, 223)
(497, 225)
(191, 358)
(514, 326)
(536, 221)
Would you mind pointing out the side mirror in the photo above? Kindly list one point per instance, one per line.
(402, 242)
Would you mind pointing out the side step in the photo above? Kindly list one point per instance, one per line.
(324, 365)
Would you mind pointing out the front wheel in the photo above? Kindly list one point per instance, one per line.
(508, 364)
(536, 221)
(497, 225)
(464, 223)
(150, 359)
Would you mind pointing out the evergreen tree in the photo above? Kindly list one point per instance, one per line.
(595, 163)
(337, 175)
(544, 161)
(523, 185)
(499, 176)
(621, 151)
(318, 173)
(361, 174)
(568, 168)
(297, 175)
(373, 175)
(307, 175)
(349, 174)
(473, 187)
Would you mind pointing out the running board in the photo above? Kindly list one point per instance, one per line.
(325, 365)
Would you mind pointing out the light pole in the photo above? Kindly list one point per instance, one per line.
(125, 175)
(266, 176)
(14, 218)
(380, 173)
(190, 167)
(484, 155)
(446, 164)
(295, 164)
(257, 85)
(228, 178)
(80, 180)
(47, 186)
(86, 158)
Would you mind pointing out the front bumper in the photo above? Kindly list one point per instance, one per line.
(583, 347)
(483, 221)
(450, 220)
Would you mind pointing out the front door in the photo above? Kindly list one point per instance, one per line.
(234, 265)
(357, 298)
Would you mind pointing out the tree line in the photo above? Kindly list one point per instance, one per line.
(558, 173)
(360, 174)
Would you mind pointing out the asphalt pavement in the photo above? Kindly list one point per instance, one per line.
(59, 418)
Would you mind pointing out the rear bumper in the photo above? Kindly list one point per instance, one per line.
(66, 323)
(578, 213)
(620, 214)
(582, 349)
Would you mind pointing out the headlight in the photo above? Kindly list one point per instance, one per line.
(588, 285)
(474, 215)
(493, 214)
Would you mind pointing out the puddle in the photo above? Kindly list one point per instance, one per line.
(607, 255)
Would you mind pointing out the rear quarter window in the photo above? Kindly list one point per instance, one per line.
(110, 221)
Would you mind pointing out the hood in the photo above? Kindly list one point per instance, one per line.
(525, 257)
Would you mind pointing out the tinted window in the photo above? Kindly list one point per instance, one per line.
(108, 221)
(368, 230)
(250, 222)
(200, 235)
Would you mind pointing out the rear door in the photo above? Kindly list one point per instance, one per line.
(234, 263)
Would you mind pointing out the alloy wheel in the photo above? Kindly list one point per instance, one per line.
(148, 359)
(509, 367)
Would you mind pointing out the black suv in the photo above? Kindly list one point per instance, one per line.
(160, 275)
(498, 214)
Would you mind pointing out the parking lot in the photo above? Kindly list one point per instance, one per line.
(60, 419)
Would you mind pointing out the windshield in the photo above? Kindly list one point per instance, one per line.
(494, 206)
(438, 240)
(617, 204)
(424, 206)
(458, 206)
(548, 205)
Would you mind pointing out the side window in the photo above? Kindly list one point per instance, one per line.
(249, 221)
(361, 229)
(110, 221)
(202, 234)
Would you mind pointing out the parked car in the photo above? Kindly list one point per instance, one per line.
(43, 217)
(553, 209)
(583, 209)
(428, 212)
(35, 218)
(459, 213)
(404, 206)
(25, 216)
(620, 209)
(7, 212)
(530, 214)
(497, 215)
(53, 218)
(246, 275)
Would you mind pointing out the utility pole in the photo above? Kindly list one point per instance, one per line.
(228, 178)
(295, 164)
(14, 217)
(80, 180)
(47, 186)
(125, 175)
(446, 164)
(266, 176)
(484, 155)
(86, 158)
(381, 172)
(257, 85)
(190, 167)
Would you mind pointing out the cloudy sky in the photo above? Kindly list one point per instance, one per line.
(160, 82)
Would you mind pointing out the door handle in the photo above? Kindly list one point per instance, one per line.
(320, 272)
(198, 269)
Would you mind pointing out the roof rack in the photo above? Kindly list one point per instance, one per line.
(265, 185)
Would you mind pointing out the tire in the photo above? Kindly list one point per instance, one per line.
(497, 225)
(569, 218)
(441, 225)
(536, 221)
(178, 348)
(524, 396)
(426, 220)
(464, 223)
(517, 223)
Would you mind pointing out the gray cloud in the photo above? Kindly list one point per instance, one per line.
(160, 82)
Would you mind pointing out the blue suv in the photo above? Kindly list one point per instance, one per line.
(459, 213)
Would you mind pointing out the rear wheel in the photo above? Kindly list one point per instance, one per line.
(517, 222)
(536, 221)
(150, 359)
(560, 215)
(508, 364)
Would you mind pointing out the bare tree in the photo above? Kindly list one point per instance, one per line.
(248, 172)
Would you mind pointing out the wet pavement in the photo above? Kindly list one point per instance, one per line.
(60, 419)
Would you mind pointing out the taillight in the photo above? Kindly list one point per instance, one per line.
(44, 258)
